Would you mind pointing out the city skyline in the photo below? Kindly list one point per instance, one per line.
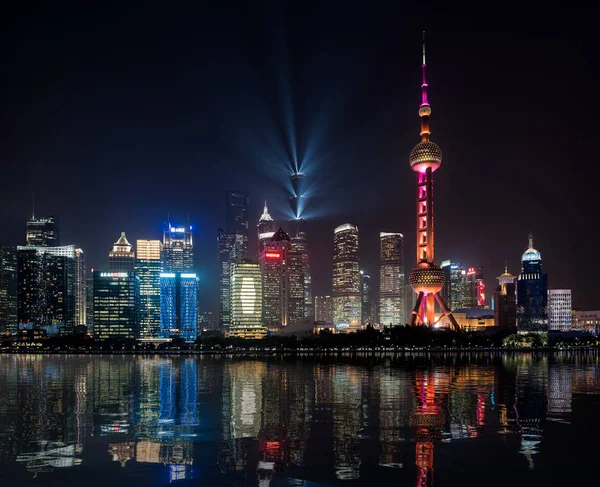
(90, 219)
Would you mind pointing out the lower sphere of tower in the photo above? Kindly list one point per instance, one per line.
(427, 278)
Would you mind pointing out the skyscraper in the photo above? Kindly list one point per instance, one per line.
(474, 296)
(178, 299)
(365, 292)
(116, 304)
(8, 289)
(324, 309)
(283, 282)
(178, 249)
(347, 306)
(80, 289)
(391, 281)
(122, 257)
(505, 302)
(426, 279)
(455, 287)
(225, 245)
(266, 229)
(148, 267)
(300, 244)
(559, 310)
(43, 232)
(532, 293)
(237, 218)
(46, 288)
(246, 301)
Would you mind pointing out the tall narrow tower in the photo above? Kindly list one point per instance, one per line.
(426, 279)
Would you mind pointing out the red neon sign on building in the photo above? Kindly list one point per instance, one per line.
(273, 255)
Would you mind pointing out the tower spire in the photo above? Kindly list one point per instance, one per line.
(33, 205)
(424, 108)
(530, 240)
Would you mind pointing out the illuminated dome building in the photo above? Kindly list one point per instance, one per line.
(532, 292)
(426, 279)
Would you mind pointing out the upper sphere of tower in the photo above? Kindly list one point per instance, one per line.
(424, 155)
(425, 110)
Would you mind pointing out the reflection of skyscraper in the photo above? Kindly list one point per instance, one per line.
(560, 391)
(347, 306)
(532, 293)
(8, 289)
(122, 257)
(391, 280)
(178, 249)
(148, 268)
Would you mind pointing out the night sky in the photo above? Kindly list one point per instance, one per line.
(118, 116)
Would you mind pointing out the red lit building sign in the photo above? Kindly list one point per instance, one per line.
(273, 255)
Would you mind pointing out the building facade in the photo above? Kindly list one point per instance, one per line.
(346, 285)
(588, 321)
(474, 296)
(178, 305)
(122, 257)
(178, 249)
(46, 289)
(246, 301)
(455, 289)
(148, 267)
(225, 245)
(366, 298)
(505, 302)
(116, 304)
(559, 310)
(80, 289)
(8, 290)
(532, 293)
(266, 228)
(391, 279)
(300, 245)
(324, 309)
(237, 203)
(43, 232)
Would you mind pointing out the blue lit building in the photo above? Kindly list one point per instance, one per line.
(532, 293)
(178, 315)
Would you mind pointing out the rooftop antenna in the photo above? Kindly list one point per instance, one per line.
(33, 205)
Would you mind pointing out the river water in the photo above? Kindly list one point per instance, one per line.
(124, 420)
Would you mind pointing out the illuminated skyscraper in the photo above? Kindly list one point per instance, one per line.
(266, 229)
(391, 280)
(122, 257)
(365, 292)
(283, 282)
(426, 279)
(178, 249)
(178, 300)
(8, 289)
(347, 306)
(246, 301)
(532, 293)
(474, 296)
(505, 302)
(148, 267)
(300, 245)
(43, 232)
(455, 288)
(80, 288)
(46, 288)
(225, 244)
(237, 218)
(559, 310)
(116, 304)
(324, 309)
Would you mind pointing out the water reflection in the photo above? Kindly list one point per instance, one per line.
(290, 421)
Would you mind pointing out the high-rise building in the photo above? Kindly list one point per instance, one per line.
(178, 249)
(246, 301)
(116, 304)
(8, 289)
(365, 292)
(559, 310)
(324, 309)
(148, 266)
(455, 288)
(80, 289)
(505, 301)
(46, 288)
(391, 280)
(237, 218)
(300, 244)
(266, 229)
(427, 279)
(178, 300)
(347, 306)
(225, 245)
(122, 257)
(532, 293)
(283, 282)
(43, 232)
(89, 300)
(474, 296)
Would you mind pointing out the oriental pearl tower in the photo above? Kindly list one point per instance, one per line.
(426, 279)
